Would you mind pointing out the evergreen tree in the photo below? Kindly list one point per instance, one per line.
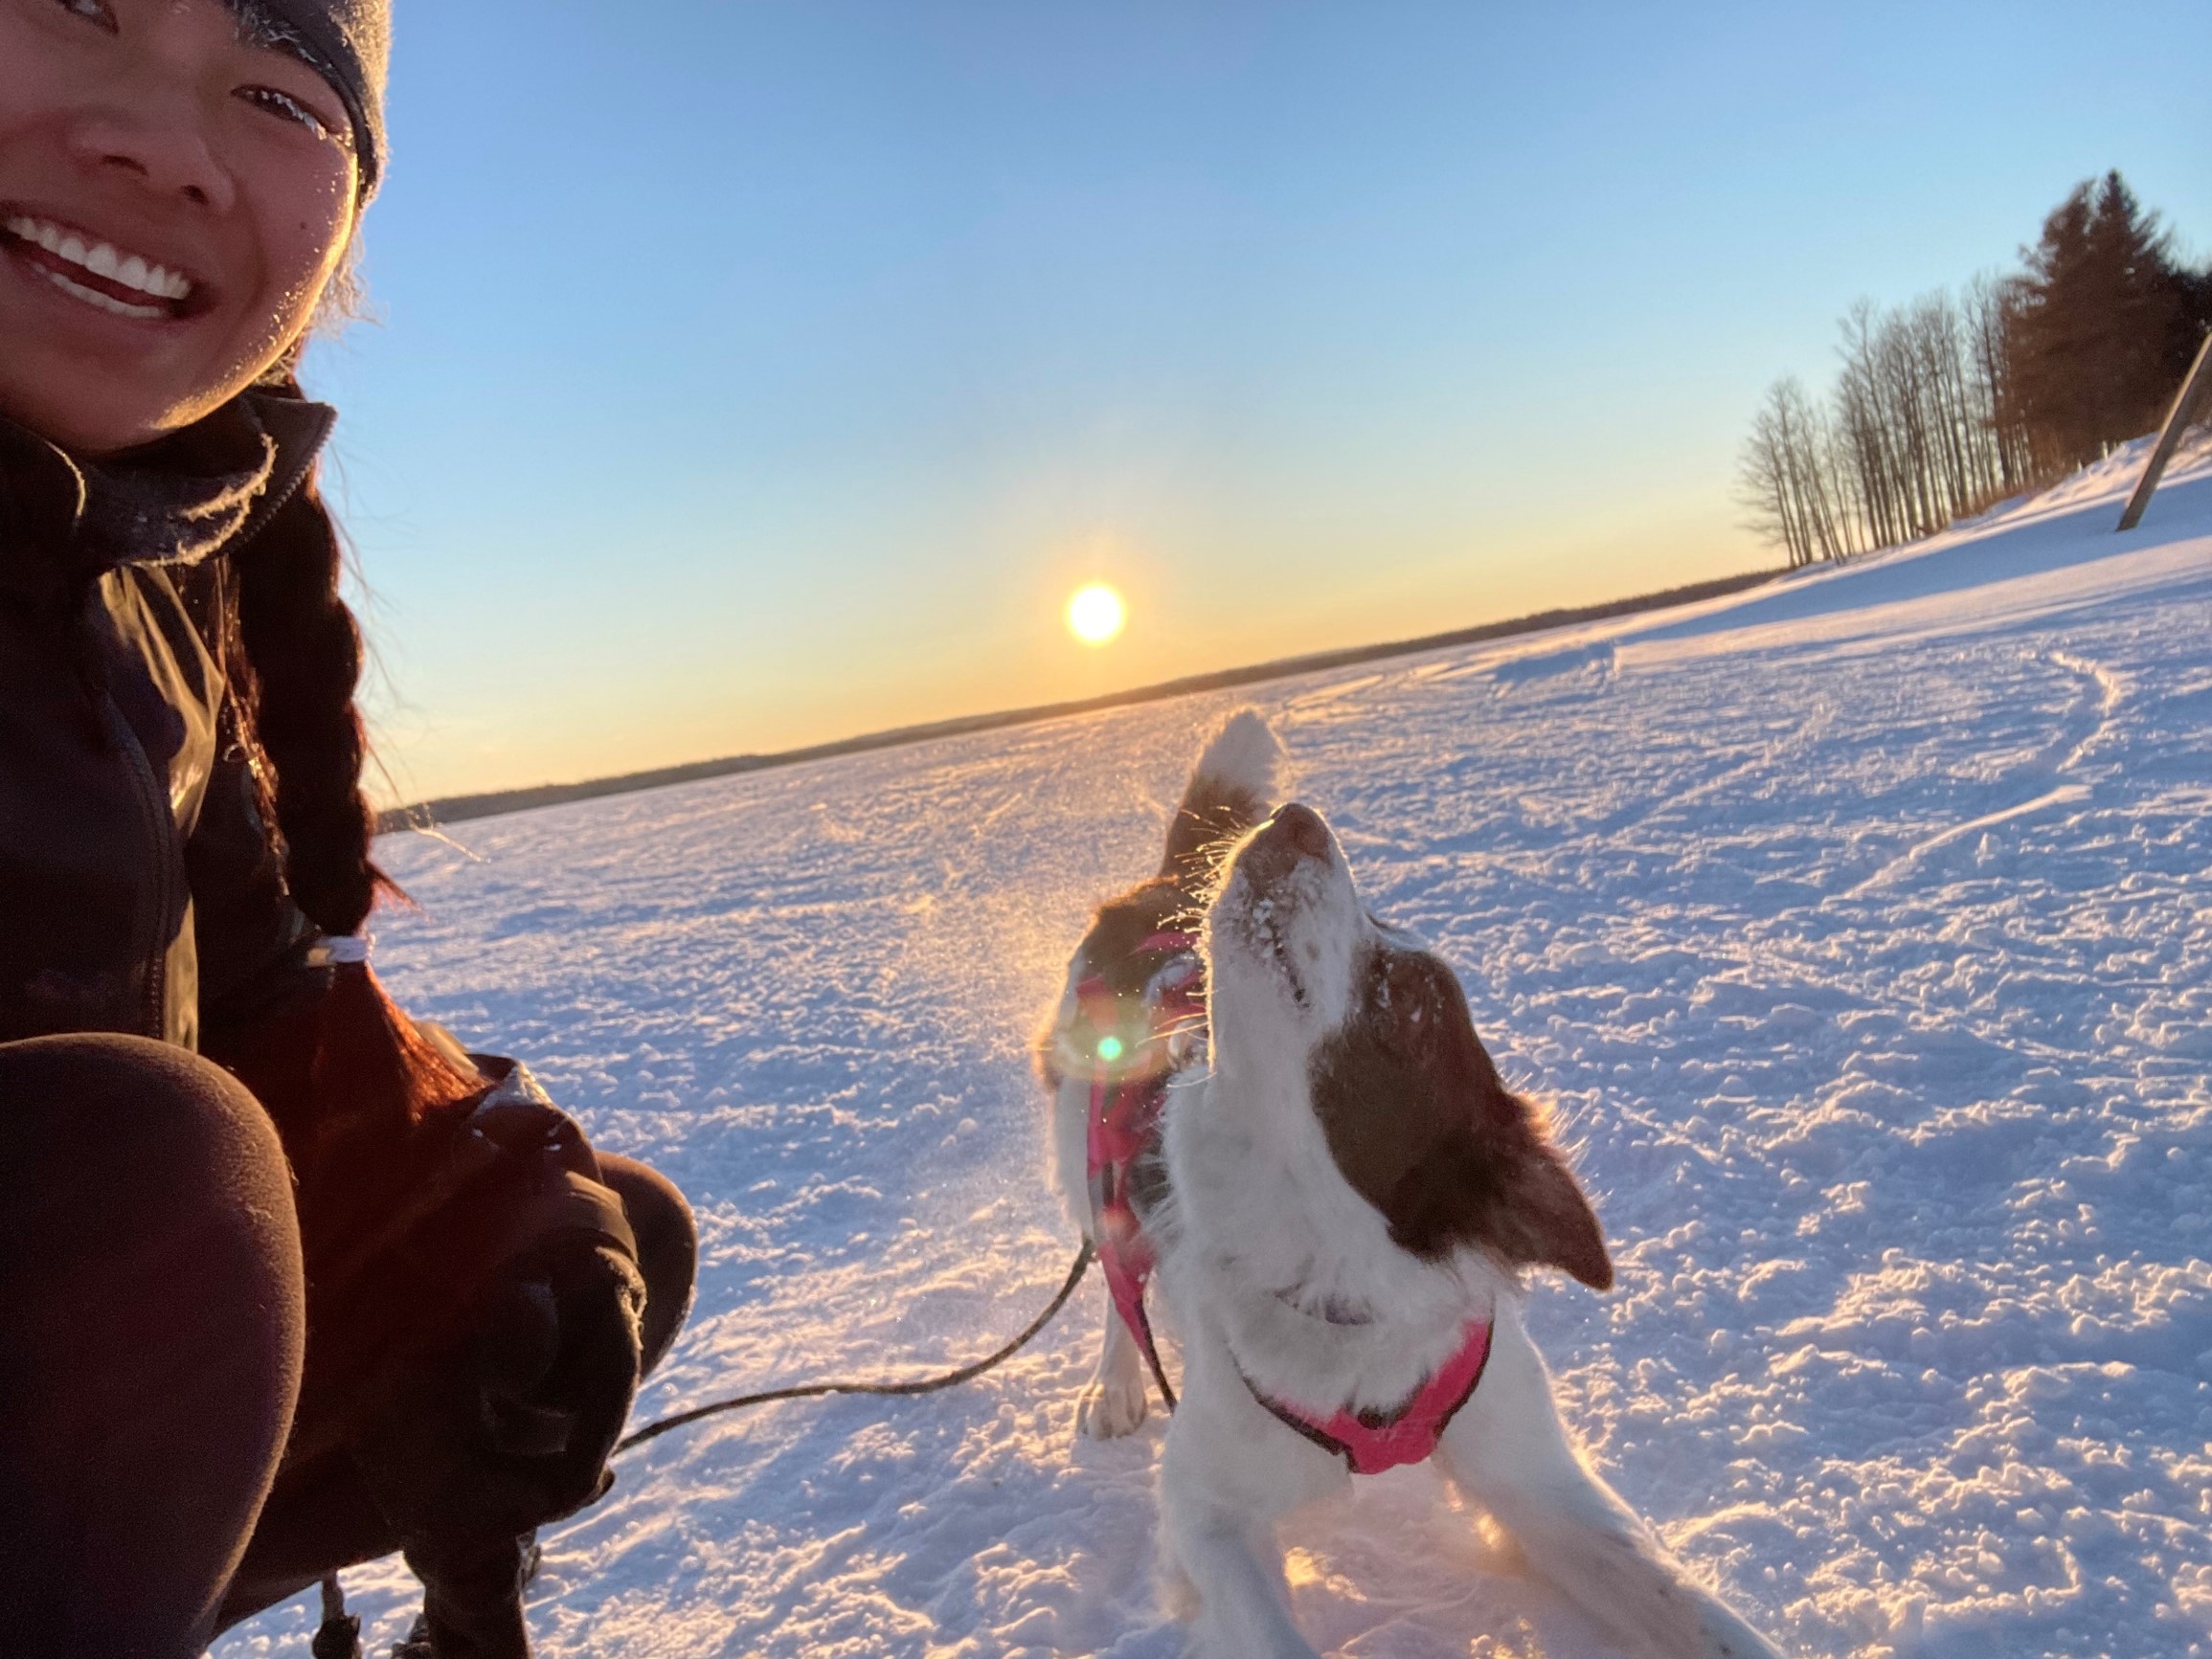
(2194, 309)
(2102, 310)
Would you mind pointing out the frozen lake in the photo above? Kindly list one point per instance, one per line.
(1858, 930)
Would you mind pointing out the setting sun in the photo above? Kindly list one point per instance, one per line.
(1095, 614)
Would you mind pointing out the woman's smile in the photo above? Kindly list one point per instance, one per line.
(90, 269)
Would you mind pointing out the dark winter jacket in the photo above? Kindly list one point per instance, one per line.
(138, 889)
(140, 894)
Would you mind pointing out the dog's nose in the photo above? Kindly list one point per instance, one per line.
(1294, 835)
(1302, 827)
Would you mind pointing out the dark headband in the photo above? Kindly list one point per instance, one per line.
(348, 44)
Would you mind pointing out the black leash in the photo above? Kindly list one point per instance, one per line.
(922, 1385)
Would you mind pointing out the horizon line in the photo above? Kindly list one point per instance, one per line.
(428, 815)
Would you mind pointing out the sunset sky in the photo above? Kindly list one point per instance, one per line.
(747, 376)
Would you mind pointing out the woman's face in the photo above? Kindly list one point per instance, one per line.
(173, 200)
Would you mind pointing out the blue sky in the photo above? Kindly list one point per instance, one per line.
(753, 374)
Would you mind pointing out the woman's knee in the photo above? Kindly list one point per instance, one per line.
(145, 1206)
(149, 1265)
(124, 1129)
(668, 1246)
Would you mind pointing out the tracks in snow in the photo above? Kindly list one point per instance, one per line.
(2080, 730)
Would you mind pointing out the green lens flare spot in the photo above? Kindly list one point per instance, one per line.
(1108, 1048)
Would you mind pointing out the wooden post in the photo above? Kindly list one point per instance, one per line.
(2200, 377)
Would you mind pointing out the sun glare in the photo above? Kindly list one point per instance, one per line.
(1095, 614)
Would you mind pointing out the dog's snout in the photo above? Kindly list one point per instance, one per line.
(1295, 833)
(1302, 827)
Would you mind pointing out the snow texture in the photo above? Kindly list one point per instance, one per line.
(1858, 928)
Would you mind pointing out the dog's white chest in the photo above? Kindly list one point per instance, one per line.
(1269, 1248)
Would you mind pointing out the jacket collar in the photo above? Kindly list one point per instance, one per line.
(199, 491)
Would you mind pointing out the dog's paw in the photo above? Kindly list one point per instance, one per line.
(1111, 1407)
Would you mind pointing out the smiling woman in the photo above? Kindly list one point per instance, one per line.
(124, 317)
(346, 1288)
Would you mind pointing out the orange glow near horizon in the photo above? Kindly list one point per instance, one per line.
(1096, 614)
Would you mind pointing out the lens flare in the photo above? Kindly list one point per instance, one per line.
(1110, 1049)
(1095, 614)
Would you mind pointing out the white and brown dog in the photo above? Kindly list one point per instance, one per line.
(1345, 1202)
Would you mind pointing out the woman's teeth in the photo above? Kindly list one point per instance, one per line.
(162, 286)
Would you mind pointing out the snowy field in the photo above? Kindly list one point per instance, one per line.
(1859, 928)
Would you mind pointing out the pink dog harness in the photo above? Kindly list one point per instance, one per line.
(1128, 1091)
(1370, 1442)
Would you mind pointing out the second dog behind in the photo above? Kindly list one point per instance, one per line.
(1128, 1023)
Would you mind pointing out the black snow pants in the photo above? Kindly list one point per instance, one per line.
(152, 1320)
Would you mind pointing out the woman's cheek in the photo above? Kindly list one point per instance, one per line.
(306, 242)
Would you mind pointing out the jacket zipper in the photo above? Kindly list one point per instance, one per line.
(167, 863)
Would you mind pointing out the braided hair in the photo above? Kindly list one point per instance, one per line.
(293, 678)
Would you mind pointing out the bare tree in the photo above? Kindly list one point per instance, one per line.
(1993, 311)
(1785, 477)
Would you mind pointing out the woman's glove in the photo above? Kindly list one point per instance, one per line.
(511, 1428)
(508, 1431)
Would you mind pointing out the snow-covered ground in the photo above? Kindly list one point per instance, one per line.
(1858, 927)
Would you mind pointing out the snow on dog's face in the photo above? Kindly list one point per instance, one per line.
(1315, 1003)
(1284, 930)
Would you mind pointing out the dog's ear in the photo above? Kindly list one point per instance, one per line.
(1514, 1196)
(1424, 1129)
(1547, 1221)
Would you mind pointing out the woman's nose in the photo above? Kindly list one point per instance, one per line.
(159, 138)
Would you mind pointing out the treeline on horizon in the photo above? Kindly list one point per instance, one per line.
(1944, 406)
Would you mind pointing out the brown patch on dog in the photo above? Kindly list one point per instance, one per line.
(1424, 1129)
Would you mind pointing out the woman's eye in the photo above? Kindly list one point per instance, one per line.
(285, 108)
(92, 11)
